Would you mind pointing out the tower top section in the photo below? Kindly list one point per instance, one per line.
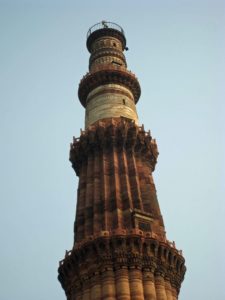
(109, 89)
(105, 28)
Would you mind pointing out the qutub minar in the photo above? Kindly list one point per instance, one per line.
(120, 246)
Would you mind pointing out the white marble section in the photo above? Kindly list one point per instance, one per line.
(110, 100)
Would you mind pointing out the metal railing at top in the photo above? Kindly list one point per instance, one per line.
(105, 24)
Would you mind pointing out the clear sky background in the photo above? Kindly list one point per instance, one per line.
(176, 49)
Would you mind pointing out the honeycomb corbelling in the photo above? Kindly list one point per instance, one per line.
(118, 252)
(122, 133)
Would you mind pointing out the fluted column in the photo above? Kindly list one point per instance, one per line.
(125, 191)
(95, 288)
(160, 288)
(97, 224)
(118, 187)
(134, 180)
(149, 285)
(142, 181)
(77, 295)
(86, 292)
(174, 292)
(89, 197)
(136, 287)
(105, 188)
(80, 218)
(108, 285)
(115, 186)
(168, 289)
(122, 284)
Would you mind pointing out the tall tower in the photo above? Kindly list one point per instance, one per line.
(120, 247)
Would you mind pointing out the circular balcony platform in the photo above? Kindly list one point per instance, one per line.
(107, 75)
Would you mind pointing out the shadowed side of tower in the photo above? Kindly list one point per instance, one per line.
(120, 246)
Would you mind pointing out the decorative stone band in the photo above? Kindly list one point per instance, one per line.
(108, 74)
(106, 42)
(121, 132)
(107, 52)
(109, 88)
(104, 32)
(108, 101)
(156, 266)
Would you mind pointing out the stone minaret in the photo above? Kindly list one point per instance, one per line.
(120, 246)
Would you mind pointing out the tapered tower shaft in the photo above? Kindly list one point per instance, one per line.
(120, 247)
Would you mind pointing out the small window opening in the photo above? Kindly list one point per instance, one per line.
(144, 226)
(114, 44)
(124, 102)
(116, 63)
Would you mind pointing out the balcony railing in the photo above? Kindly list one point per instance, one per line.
(105, 24)
(108, 67)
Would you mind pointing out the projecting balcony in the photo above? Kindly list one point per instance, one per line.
(108, 75)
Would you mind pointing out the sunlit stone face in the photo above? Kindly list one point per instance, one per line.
(108, 101)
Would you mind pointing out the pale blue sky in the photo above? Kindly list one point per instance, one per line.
(176, 49)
